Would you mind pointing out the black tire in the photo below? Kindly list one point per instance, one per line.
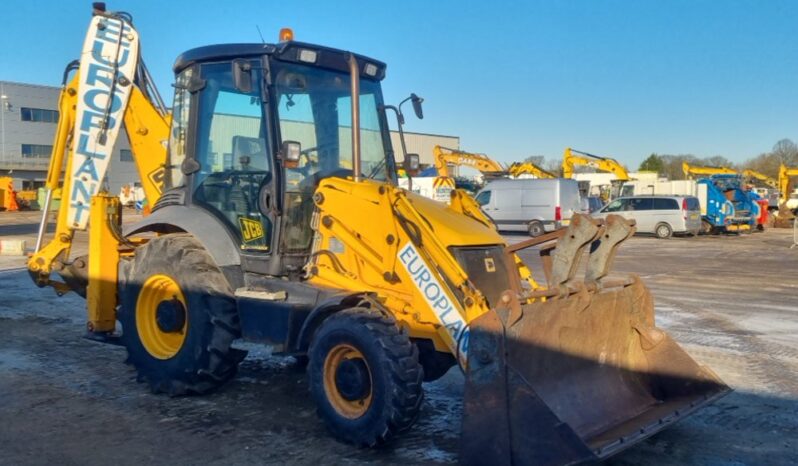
(663, 231)
(205, 359)
(394, 393)
(536, 228)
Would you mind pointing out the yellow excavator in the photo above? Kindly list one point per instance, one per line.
(528, 168)
(787, 204)
(443, 157)
(573, 158)
(755, 175)
(277, 219)
(691, 171)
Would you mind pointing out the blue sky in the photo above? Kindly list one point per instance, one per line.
(512, 79)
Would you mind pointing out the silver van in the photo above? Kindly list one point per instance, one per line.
(661, 215)
(535, 205)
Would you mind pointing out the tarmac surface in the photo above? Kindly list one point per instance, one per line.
(730, 301)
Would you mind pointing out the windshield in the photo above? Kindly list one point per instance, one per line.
(314, 108)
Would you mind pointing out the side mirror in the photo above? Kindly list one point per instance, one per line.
(290, 151)
(411, 164)
(417, 106)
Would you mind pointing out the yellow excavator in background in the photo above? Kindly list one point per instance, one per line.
(788, 203)
(691, 171)
(272, 230)
(573, 158)
(755, 175)
(443, 157)
(528, 168)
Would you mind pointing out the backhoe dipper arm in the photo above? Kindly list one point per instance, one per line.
(101, 94)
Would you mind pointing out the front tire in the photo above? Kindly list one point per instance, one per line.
(364, 377)
(178, 317)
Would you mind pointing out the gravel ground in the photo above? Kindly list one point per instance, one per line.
(729, 301)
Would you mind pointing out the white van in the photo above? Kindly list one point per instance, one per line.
(661, 215)
(534, 206)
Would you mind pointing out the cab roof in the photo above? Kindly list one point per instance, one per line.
(286, 51)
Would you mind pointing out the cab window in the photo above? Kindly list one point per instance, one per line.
(483, 198)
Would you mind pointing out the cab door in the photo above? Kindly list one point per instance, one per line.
(234, 179)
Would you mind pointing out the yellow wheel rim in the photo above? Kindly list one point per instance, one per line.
(159, 343)
(350, 409)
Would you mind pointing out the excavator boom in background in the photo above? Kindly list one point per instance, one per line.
(528, 168)
(443, 157)
(755, 175)
(691, 171)
(275, 231)
(573, 158)
(788, 204)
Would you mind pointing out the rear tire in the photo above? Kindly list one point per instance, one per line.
(663, 231)
(184, 285)
(364, 377)
(536, 228)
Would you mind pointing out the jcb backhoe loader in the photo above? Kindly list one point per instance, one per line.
(276, 219)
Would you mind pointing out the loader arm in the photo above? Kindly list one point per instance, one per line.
(574, 158)
(82, 148)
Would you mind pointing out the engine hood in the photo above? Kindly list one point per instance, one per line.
(451, 227)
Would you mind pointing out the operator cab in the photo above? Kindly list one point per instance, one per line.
(256, 127)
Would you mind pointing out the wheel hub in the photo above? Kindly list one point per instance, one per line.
(170, 315)
(352, 379)
(161, 316)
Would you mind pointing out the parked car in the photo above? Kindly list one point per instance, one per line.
(532, 205)
(591, 204)
(660, 215)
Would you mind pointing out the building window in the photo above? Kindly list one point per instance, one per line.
(36, 151)
(125, 155)
(39, 114)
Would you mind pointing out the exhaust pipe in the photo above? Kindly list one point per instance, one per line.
(354, 72)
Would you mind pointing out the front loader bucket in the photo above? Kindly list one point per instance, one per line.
(575, 379)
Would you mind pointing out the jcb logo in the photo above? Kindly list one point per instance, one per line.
(250, 229)
(490, 265)
(156, 178)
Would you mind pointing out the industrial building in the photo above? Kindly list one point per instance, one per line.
(28, 119)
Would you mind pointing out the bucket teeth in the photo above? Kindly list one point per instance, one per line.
(581, 232)
(602, 252)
